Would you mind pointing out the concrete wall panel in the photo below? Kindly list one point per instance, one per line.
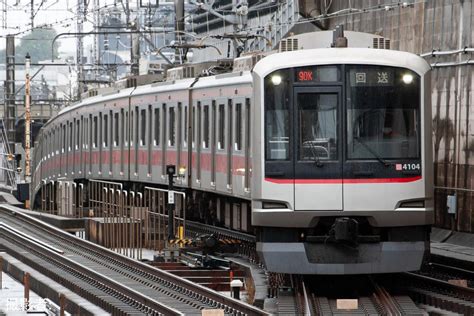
(426, 26)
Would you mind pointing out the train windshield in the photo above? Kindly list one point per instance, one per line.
(383, 113)
(277, 116)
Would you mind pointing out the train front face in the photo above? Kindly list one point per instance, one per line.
(342, 165)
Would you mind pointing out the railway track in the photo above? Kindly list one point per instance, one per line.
(114, 282)
(449, 273)
(437, 293)
(315, 296)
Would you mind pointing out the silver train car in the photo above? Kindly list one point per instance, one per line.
(324, 154)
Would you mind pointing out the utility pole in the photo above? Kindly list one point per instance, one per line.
(27, 120)
(32, 13)
(179, 28)
(171, 171)
(10, 106)
(135, 49)
(95, 53)
(81, 4)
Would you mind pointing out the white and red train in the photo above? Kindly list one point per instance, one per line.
(324, 154)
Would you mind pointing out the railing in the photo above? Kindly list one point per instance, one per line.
(122, 220)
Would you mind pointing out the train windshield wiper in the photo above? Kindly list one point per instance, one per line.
(316, 158)
(363, 143)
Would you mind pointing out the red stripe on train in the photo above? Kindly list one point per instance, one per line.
(341, 181)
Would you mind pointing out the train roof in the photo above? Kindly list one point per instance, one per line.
(332, 56)
(270, 63)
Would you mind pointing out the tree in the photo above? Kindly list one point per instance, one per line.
(37, 44)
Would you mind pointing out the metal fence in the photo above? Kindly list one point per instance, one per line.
(123, 220)
(157, 219)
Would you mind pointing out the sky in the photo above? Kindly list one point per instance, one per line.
(15, 18)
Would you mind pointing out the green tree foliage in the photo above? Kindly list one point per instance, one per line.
(37, 43)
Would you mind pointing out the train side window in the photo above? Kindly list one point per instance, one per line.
(199, 124)
(84, 135)
(111, 129)
(248, 125)
(66, 131)
(142, 127)
(90, 131)
(121, 128)
(106, 129)
(58, 139)
(185, 127)
(63, 132)
(70, 137)
(238, 127)
(157, 126)
(163, 116)
(47, 142)
(247, 143)
(116, 129)
(78, 133)
(179, 124)
(213, 125)
(101, 132)
(53, 138)
(135, 128)
(150, 124)
(52, 135)
(51, 143)
(172, 129)
(96, 134)
(127, 129)
(55, 143)
(193, 130)
(130, 129)
(221, 137)
(205, 140)
(277, 118)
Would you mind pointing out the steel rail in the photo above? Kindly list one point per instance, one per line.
(20, 234)
(114, 288)
(459, 290)
(220, 230)
(452, 270)
(439, 293)
(386, 300)
(198, 292)
(453, 288)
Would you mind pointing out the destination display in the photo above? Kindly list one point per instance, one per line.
(369, 77)
(317, 74)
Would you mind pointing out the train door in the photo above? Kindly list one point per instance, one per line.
(136, 141)
(229, 144)
(198, 145)
(318, 154)
(213, 127)
(113, 140)
(221, 163)
(164, 143)
(79, 140)
(100, 143)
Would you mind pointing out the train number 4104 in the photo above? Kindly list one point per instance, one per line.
(407, 166)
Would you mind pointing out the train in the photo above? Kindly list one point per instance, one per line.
(324, 154)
